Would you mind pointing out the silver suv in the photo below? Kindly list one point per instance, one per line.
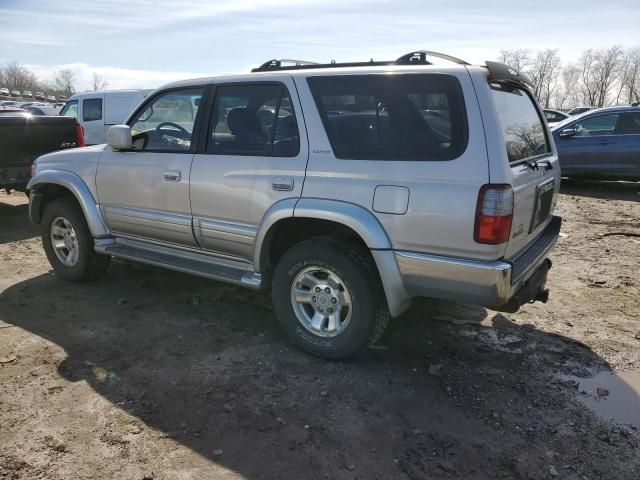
(347, 189)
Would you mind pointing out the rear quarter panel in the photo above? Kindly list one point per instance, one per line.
(442, 195)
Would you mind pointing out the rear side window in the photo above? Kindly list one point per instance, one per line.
(91, 109)
(630, 123)
(70, 109)
(392, 117)
(253, 119)
(522, 128)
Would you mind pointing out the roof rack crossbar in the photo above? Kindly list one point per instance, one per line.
(277, 64)
(420, 56)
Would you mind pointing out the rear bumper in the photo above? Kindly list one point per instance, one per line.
(501, 285)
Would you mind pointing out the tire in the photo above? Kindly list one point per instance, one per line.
(85, 264)
(360, 306)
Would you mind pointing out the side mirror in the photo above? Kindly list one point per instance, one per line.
(568, 132)
(119, 137)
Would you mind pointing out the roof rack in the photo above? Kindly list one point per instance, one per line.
(416, 57)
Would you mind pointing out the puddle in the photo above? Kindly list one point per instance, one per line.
(612, 395)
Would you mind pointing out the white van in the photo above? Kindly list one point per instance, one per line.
(98, 111)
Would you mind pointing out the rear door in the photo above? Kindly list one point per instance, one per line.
(626, 163)
(533, 164)
(255, 156)
(589, 153)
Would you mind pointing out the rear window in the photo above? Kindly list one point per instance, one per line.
(392, 117)
(522, 128)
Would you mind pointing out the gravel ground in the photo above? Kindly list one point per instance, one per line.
(147, 373)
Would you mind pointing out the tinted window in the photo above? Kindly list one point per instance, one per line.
(597, 125)
(522, 128)
(253, 120)
(630, 123)
(166, 122)
(392, 117)
(91, 109)
(553, 116)
(70, 109)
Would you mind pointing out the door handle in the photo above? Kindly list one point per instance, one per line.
(172, 175)
(282, 184)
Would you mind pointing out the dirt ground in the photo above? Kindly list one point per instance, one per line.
(150, 374)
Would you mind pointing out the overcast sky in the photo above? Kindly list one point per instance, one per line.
(145, 43)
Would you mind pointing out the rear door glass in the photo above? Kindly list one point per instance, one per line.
(392, 117)
(522, 128)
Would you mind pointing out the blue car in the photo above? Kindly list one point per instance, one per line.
(602, 144)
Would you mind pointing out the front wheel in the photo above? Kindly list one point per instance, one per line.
(328, 298)
(68, 243)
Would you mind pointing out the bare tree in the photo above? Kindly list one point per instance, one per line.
(600, 72)
(544, 72)
(99, 83)
(518, 59)
(629, 83)
(64, 81)
(16, 77)
(568, 92)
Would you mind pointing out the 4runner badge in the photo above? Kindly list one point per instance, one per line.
(321, 151)
(518, 232)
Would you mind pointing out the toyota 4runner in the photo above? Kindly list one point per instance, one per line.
(347, 189)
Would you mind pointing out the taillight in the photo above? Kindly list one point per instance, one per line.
(494, 214)
(79, 135)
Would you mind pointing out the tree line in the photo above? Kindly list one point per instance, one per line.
(597, 78)
(15, 76)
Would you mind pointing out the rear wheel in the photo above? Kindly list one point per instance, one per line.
(68, 243)
(328, 298)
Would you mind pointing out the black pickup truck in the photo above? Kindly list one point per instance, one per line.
(23, 138)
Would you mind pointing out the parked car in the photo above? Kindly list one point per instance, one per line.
(23, 138)
(207, 177)
(42, 110)
(15, 93)
(8, 103)
(601, 144)
(579, 110)
(554, 117)
(27, 94)
(40, 96)
(97, 111)
(4, 92)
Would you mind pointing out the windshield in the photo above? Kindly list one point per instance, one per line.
(70, 109)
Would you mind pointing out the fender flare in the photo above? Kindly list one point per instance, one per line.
(80, 191)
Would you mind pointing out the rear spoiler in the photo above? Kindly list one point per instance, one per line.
(499, 72)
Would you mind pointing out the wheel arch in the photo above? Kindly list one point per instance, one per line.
(50, 184)
(289, 222)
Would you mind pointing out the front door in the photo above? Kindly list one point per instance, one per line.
(144, 192)
(589, 153)
(255, 155)
(91, 111)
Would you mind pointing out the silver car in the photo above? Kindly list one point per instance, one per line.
(347, 189)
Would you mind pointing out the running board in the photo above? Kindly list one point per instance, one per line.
(202, 267)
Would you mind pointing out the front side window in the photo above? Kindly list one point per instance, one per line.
(392, 117)
(596, 126)
(522, 128)
(166, 122)
(70, 109)
(253, 119)
(91, 109)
